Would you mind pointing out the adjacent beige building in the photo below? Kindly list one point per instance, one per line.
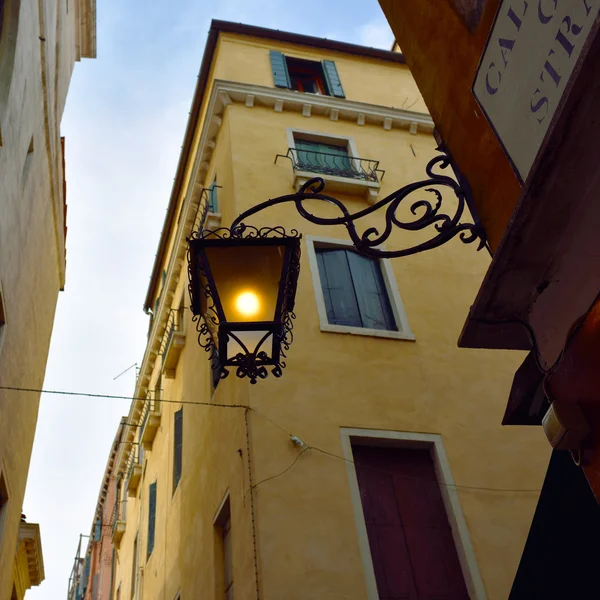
(39, 44)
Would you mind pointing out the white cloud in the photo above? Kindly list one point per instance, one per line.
(376, 34)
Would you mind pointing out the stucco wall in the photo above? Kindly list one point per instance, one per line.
(305, 529)
(36, 59)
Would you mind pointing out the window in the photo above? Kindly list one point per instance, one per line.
(213, 200)
(223, 529)
(318, 157)
(151, 517)
(411, 542)
(97, 529)
(178, 448)
(306, 75)
(353, 289)
(134, 567)
(355, 294)
(95, 587)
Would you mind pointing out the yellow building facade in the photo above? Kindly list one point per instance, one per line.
(270, 491)
(39, 44)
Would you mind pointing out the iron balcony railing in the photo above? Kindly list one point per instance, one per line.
(174, 323)
(119, 513)
(137, 457)
(340, 165)
(151, 404)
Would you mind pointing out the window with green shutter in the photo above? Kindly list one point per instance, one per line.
(151, 517)
(178, 447)
(354, 290)
(317, 157)
(213, 199)
(307, 76)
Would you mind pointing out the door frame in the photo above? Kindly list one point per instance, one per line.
(460, 532)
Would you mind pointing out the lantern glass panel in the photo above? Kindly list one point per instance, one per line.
(247, 280)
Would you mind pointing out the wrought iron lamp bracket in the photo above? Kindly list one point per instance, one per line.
(441, 216)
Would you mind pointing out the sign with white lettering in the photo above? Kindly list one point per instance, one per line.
(530, 55)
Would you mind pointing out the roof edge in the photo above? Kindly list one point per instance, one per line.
(216, 28)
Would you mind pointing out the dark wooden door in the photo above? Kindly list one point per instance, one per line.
(412, 548)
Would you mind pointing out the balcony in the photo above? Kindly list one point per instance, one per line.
(118, 530)
(150, 420)
(341, 172)
(134, 474)
(173, 342)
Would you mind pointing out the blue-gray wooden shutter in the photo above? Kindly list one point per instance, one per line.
(371, 293)
(333, 79)
(178, 454)
(338, 291)
(95, 588)
(86, 574)
(281, 77)
(151, 516)
(213, 200)
(323, 158)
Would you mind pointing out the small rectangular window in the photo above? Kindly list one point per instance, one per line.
(134, 566)
(354, 290)
(223, 529)
(151, 517)
(178, 447)
(318, 157)
(213, 199)
(308, 76)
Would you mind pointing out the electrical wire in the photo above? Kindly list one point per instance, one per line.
(115, 397)
(282, 472)
(265, 417)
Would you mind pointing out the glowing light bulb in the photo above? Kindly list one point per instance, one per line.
(247, 304)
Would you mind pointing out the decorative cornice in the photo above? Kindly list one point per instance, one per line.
(29, 534)
(341, 108)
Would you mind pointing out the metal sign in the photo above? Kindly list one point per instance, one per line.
(529, 58)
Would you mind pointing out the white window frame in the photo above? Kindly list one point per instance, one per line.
(325, 138)
(460, 532)
(347, 185)
(391, 286)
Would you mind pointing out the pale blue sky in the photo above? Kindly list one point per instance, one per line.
(124, 125)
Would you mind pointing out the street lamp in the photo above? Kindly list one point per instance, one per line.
(243, 279)
(242, 290)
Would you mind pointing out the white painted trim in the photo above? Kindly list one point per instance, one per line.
(403, 333)
(319, 136)
(460, 532)
(348, 110)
